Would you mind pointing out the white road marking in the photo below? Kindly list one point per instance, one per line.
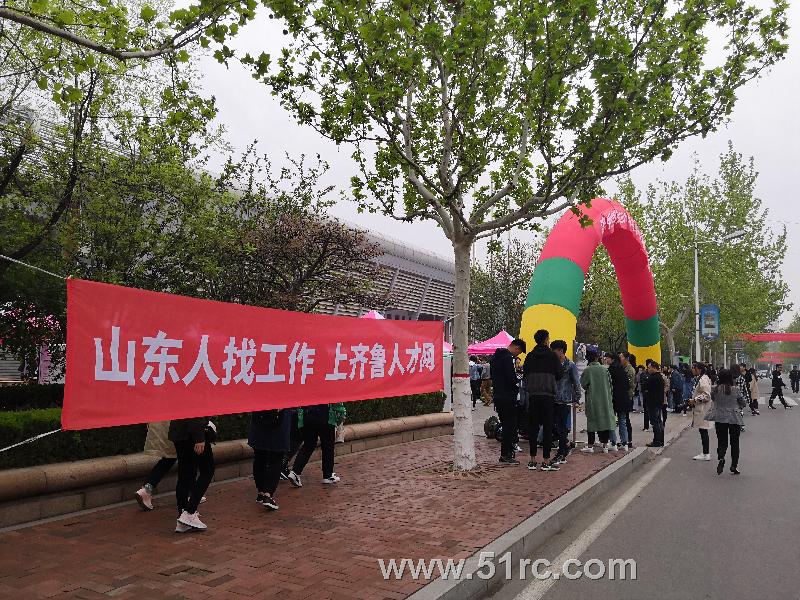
(538, 588)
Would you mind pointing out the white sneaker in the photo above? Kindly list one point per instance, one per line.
(587, 449)
(334, 478)
(203, 499)
(702, 457)
(294, 479)
(145, 499)
(192, 520)
(517, 448)
(605, 448)
(622, 449)
(181, 528)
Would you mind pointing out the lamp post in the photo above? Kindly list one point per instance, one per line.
(735, 235)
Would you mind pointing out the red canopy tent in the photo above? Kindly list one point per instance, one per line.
(501, 340)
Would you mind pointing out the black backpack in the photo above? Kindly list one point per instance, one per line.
(492, 428)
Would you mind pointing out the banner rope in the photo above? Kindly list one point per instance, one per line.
(35, 268)
(29, 440)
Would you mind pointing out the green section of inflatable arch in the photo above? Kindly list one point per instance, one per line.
(557, 281)
(643, 333)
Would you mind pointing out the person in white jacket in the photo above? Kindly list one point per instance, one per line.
(701, 404)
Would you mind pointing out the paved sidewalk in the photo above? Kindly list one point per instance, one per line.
(324, 542)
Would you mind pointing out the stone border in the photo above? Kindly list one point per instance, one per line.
(534, 531)
(44, 491)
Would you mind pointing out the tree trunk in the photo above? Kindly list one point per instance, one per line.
(670, 338)
(463, 433)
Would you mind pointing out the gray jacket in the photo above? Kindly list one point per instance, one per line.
(727, 407)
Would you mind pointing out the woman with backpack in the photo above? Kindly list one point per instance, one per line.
(317, 422)
(268, 436)
(726, 413)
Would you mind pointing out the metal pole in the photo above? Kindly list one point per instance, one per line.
(725, 354)
(698, 352)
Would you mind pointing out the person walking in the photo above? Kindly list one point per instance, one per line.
(627, 359)
(600, 418)
(486, 382)
(541, 372)
(621, 400)
(505, 390)
(475, 379)
(688, 386)
(676, 386)
(192, 439)
(295, 441)
(643, 379)
(751, 379)
(568, 393)
(156, 444)
(794, 379)
(701, 403)
(777, 388)
(726, 413)
(268, 436)
(317, 423)
(655, 402)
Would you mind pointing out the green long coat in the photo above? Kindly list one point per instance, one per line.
(600, 416)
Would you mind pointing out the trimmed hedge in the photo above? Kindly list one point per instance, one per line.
(24, 396)
(77, 445)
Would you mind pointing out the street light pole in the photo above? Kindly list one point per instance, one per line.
(697, 348)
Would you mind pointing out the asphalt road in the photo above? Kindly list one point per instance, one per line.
(693, 534)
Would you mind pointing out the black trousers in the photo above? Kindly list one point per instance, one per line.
(664, 413)
(630, 432)
(507, 413)
(777, 392)
(194, 475)
(311, 432)
(603, 435)
(475, 387)
(267, 465)
(656, 412)
(796, 386)
(646, 413)
(704, 441)
(295, 441)
(159, 470)
(540, 414)
(723, 431)
(560, 418)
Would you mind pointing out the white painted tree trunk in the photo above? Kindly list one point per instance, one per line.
(463, 433)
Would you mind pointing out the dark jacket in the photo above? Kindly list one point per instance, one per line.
(541, 371)
(794, 375)
(188, 429)
(505, 385)
(655, 390)
(777, 379)
(269, 430)
(620, 388)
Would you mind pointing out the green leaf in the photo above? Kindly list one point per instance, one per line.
(148, 13)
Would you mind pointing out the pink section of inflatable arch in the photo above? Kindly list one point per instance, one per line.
(615, 229)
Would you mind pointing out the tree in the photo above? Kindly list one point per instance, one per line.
(731, 274)
(483, 116)
(793, 327)
(127, 32)
(601, 319)
(499, 288)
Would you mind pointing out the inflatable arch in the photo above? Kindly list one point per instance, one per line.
(554, 296)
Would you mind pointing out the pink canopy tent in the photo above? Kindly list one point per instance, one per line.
(448, 347)
(373, 314)
(501, 340)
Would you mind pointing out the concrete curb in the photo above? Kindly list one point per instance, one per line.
(523, 539)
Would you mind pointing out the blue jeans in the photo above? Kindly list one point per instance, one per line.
(622, 417)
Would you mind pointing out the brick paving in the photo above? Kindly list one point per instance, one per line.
(323, 543)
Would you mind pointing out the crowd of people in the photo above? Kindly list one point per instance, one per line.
(533, 399)
(278, 438)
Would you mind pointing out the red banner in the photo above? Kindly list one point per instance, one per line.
(135, 356)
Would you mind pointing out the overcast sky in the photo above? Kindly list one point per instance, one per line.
(764, 125)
